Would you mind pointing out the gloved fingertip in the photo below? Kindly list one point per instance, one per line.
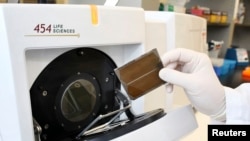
(169, 88)
(162, 74)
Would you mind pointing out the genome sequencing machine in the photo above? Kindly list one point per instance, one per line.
(58, 80)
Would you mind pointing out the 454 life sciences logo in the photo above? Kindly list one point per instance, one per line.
(53, 30)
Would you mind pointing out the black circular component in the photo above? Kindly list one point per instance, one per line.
(78, 99)
(72, 91)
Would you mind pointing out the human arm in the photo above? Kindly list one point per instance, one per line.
(238, 104)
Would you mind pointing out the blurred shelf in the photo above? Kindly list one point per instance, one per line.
(219, 31)
(242, 25)
(218, 24)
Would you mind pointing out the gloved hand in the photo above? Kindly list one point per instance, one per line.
(193, 71)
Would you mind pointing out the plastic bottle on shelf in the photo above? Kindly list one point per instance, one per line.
(207, 14)
(224, 17)
(176, 5)
(215, 17)
(241, 13)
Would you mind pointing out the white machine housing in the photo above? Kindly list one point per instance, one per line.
(33, 35)
(166, 31)
(25, 51)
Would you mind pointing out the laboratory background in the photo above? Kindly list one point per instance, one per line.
(113, 33)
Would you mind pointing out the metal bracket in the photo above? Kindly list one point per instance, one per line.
(110, 124)
(37, 130)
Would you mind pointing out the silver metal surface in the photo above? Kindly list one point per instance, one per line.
(37, 130)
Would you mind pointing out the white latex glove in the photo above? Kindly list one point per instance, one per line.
(194, 72)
